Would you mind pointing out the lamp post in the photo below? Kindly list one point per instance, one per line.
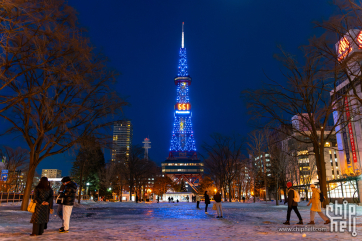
(87, 189)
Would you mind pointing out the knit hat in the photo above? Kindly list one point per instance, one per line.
(65, 179)
(289, 184)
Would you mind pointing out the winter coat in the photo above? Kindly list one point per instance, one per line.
(198, 199)
(290, 198)
(68, 193)
(217, 197)
(315, 200)
(207, 199)
(41, 214)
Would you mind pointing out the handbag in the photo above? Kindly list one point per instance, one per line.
(59, 200)
(214, 206)
(31, 206)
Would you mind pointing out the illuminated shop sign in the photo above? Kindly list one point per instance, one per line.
(351, 42)
(350, 131)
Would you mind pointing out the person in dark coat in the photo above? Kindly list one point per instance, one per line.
(43, 196)
(68, 195)
(207, 201)
(217, 198)
(292, 205)
(50, 210)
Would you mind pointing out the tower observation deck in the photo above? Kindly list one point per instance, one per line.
(182, 162)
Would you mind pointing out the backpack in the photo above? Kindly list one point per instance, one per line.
(321, 197)
(296, 197)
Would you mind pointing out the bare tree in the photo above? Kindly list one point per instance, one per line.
(257, 149)
(135, 169)
(222, 159)
(16, 159)
(162, 185)
(72, 97)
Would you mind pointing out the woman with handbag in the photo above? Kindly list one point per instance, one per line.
(43, 196)
(207, 201)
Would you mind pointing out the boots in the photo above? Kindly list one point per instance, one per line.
(300, 221)
(286, 223)
(311, 223)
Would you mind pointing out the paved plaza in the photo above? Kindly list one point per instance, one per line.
(168, 221)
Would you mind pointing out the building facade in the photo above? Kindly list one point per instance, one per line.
(349, 136)
(182, 162)
(122, 139)
(51, 173)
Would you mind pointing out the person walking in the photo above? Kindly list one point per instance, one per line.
(198, 199)
(68, 195)
(217, 198)
(169, 199)
(43, 196)
(207, 201)
(316, 206)
(292, 205)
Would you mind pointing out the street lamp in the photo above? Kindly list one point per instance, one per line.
(86, 193)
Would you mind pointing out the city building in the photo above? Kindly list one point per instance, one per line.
(51, 173)
(122, 139)
(348, 118)
(182, 162)
(349, 136)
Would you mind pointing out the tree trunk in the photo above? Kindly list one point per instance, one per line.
(277, 194)
(29, 183)
(121, 187)
(229, 191)
(81, 183)
(254, 191)
(321, 169)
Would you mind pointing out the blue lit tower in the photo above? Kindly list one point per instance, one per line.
(182, 162)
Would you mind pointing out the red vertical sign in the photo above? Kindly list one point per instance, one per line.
(350, 131)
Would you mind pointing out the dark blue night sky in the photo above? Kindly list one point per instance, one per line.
(229, 45)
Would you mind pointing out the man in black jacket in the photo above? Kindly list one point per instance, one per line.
(217, 198)
(68, 195)
(292, 204)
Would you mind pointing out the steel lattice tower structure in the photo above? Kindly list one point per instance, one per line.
(182, 162)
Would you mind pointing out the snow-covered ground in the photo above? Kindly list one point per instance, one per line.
(169, 221)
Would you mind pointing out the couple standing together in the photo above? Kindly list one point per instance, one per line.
(43, 197)
(218, 206)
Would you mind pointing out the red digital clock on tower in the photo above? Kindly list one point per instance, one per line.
(183, 106)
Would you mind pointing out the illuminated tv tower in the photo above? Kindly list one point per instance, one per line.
(182, 162)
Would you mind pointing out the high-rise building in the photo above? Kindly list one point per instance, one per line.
(182, 162)
(51, 173)
(122, 139)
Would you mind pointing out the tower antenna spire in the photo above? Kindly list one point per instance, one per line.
(183, 36)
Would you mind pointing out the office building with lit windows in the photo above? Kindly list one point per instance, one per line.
(51, 173)
(122, 139)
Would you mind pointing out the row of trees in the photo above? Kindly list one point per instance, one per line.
(306, 88)
(54, 86)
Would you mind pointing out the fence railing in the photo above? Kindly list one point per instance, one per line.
(12, 197)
